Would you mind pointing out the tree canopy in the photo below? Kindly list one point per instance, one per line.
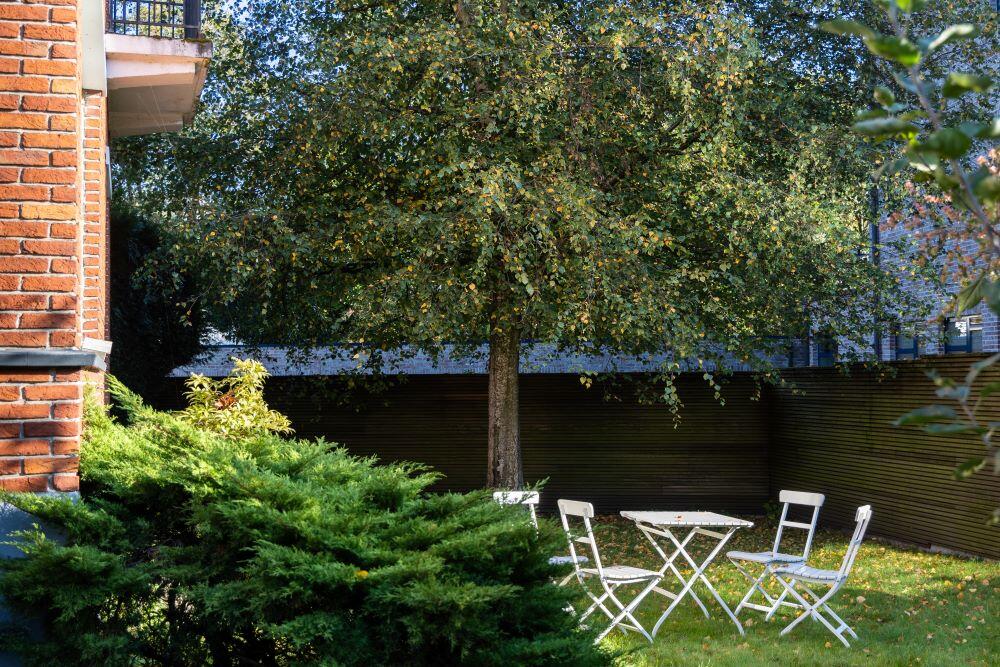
(639, 177)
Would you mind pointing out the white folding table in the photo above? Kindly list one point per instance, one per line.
(662, 525)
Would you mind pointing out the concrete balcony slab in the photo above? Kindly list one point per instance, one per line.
(153, 83)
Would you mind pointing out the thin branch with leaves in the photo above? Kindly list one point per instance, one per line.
(958, 158)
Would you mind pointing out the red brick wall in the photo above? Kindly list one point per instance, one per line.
(39, 429)
(53, 223)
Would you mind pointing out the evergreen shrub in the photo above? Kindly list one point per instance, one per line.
(190, 547)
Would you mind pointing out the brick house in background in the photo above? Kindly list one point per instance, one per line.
(945, 332)
(73, 73)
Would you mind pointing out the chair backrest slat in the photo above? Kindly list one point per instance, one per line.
(528, 498)
(806, 498)
(576, 508)
(516, 497)
(801, 498)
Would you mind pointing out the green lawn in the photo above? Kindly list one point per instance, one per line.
(908, 608)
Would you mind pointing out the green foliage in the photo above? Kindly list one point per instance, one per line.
(936, 146)
(884, 127)
(956, 155)
(952, 34)
(669, 180)
(927, 415)
(233, 406)
(959, 83)
(154, 324)
(644, 176)
(192, 548)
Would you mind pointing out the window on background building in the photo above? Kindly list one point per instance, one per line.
(798, 352)
(907, 346)
(963, 334)
(826, 347)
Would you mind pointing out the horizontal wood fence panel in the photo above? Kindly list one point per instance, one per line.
(838, 438)
(616, 454)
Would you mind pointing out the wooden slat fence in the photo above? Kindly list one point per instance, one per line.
(837, 438)
(616, 454)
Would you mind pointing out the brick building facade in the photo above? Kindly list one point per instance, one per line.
(942, 332)
(73, 73)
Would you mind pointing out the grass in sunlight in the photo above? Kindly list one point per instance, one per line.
(908, 608)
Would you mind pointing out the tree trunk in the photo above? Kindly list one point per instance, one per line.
(504, 444)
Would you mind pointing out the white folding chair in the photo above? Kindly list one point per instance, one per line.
(817, 607)
(611, 577)
(530, 499)
(775, 557)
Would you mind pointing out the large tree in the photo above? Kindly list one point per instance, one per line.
(638, 177)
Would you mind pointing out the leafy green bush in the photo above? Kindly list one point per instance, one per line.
(191, 548)
(233, 406)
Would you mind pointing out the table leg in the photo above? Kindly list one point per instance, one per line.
(688, 584)
(668, 563)
(699, 572)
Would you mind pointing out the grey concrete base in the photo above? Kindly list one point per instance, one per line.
(13, 520)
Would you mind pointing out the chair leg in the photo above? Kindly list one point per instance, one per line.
(825, 606)
(755, 586)
(806, 607)
(570, 609)
(621, 626)
(598, 604)
(777, 604)
(815, 611)
(838, 631)
(626, 612)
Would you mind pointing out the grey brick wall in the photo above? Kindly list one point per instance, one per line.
(939, 298)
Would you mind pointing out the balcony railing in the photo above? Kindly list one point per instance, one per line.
(176, 19)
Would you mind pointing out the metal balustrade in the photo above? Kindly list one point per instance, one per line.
(174, 19)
